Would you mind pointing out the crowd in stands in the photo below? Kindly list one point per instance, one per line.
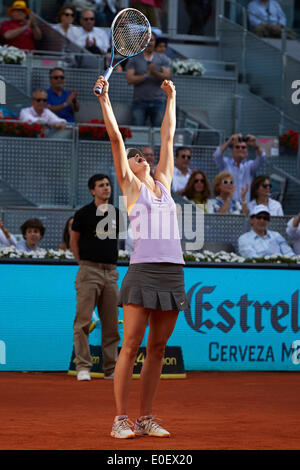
(236, 188)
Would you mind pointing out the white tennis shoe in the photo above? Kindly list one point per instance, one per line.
(121, 428)
(148, 426)
(83, 374)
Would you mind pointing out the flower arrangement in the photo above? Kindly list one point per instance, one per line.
(290, 140)
(99, 132)
(11, 55)
(12, 128)
(188, 67)
(197, 257)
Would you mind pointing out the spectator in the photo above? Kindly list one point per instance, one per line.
(266, 18)
(65, 19)
(293, 231)
(104, 10)
(224, 202)
(6, 112)
(146, 72)
(149, 9)
(19, 31)
(199, 12)
(149, 155)
(92, 38)
(65, 245)
(60, 101)
(260, 194)
(6, 239)
(260, 241)
(39, 112)
(161, 45)
(95, 246)
(243, 171)
(182, 170)
(32, 231)
(197, 189)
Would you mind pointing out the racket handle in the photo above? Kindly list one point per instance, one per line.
(106, 75)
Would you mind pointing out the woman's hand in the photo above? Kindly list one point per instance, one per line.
(168, 87)
(101, 83)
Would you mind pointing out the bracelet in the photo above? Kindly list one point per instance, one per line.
(65, 104)
(244, 202)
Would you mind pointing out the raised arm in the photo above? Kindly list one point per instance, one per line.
(165, 168)
(125, 176)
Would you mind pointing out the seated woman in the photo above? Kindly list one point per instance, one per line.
(65, 245)
(197, 189)
(65, 19)
(223, 203)
(260, 194)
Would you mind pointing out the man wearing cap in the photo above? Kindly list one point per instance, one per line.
(19, 31)
(260, 241)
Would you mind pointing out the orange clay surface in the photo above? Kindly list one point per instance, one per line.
(205, 411)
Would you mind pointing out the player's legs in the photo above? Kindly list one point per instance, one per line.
(135, 319)
(161, 326)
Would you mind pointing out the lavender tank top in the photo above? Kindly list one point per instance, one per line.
(155, 228)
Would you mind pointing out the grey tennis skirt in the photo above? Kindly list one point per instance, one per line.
(158, 286)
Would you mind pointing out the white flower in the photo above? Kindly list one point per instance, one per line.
(188, 66)
(11, 55)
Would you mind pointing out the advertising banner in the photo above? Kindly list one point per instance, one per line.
(240, 318)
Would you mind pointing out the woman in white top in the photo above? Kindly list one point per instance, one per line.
(260, 194)
(64, 26)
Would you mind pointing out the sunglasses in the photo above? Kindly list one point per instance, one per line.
(40, 99)
(227, 181)
(199, 180)
(186, 156)
(243, 147)
(68, 14)
(58, 77)
(88, 19)
(264, 217)
(267, 186)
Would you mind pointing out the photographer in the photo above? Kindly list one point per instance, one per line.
(242, 171)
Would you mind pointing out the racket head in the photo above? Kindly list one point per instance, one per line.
(130, 32)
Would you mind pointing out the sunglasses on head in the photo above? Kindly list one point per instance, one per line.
(58, 77)
(40, 99)
(266, 185)
(227, 181)
(185, 155)
(243, 147)
(68, 14)
(264, 217)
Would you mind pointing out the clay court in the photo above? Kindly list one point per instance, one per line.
(205, 411)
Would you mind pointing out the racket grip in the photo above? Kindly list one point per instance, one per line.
(106, 75)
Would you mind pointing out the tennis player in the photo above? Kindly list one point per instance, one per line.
(152, 291)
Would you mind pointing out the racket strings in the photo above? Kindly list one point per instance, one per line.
(131, 33)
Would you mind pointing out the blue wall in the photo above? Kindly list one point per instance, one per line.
(239, 319)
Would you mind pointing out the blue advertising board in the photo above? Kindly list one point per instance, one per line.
(240, 318)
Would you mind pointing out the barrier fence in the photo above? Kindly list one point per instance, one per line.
(237, 319)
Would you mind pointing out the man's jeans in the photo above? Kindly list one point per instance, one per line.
(141, 110)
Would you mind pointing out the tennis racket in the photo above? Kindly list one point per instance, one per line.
(130, 35)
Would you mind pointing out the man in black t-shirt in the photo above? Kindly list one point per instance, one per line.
(94, 242)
